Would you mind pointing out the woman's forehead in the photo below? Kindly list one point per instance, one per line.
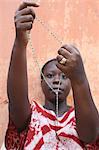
(51, 67)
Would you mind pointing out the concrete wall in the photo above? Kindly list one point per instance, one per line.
(74, 21)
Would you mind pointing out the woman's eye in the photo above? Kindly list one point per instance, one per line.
(49, 75)
(63, 76)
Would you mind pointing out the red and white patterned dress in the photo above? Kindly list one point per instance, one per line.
(45, 132)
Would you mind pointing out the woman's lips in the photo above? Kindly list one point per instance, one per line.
(56, 89)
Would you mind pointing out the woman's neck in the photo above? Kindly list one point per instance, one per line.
(63, 107)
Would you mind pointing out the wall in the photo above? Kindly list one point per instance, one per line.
(73, 21)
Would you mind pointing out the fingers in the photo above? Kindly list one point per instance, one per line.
(63, 68)
(68, 50)
(59, 58)
(26, 4)
(64, 52)
(24, 17)
(25, 26)
(26, 11)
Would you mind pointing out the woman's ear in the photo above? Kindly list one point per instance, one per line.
(41, 78)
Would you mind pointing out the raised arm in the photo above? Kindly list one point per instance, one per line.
(87, 117)
(17, 84)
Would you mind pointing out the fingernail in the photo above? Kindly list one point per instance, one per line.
(36, 1)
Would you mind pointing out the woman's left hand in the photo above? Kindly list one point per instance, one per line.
(73, 67)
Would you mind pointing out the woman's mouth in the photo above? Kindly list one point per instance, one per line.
(57, 89)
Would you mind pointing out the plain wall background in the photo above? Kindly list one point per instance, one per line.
(74, 21)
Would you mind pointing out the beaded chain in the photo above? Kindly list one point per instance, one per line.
(47, 28)
(33, 50)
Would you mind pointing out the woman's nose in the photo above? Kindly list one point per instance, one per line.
(57, 80)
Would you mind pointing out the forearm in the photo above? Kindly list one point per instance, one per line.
(87, 117)
(17, 85)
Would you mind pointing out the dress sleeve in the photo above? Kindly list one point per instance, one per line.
(15, 139)
(93, 146)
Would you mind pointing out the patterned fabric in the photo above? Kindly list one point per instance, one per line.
(46, 132)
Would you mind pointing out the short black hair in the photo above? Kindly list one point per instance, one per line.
(42, 70)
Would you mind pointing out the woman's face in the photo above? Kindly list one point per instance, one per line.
(56, 79)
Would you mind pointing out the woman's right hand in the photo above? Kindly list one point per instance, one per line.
(24, 18)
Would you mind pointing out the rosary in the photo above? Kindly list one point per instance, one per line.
(63, 61)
